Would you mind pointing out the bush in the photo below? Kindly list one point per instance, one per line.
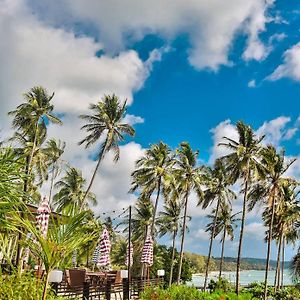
(25, 286)
(183, 292)
(257, 290)
(288, 293)
(221, 284)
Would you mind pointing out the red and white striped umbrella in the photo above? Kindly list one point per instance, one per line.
(42, 217)
(129, 252)
(147, 253)
(105, 247)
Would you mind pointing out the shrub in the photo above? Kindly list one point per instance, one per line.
(221, 284)
(288, 293)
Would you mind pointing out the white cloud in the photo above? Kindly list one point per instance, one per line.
(201, 234)
(290, 67)
(211, 25)
(132, 119)
(255, 231)
(252, 83)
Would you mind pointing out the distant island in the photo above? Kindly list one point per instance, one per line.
(248, 263)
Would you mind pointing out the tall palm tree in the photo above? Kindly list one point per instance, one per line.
(243, 162)
(69, 199)
(54, 150)
(169, 222)
(35, 112)
(270, 189)
(106, 121)
(189, 178)
(217, 191)
(152, 171)
(225, 223)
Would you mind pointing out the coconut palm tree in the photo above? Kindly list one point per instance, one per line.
(153, 169)
(69, 199)
(53, 150)
(217, 191)
(169, 222)
(189, 178)
(106, 121)
(34, 113)
(243, 162)
(224, 223)
(270, 190)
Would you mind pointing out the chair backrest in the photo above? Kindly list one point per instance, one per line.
(118, 277)
(75, 277)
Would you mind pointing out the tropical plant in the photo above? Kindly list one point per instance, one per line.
(169, 222)
(243, 162)
(106, 121)
(153, 169)
(269, 189)
(70, 197)
(225, 223)
(189, 178)
(219, 191)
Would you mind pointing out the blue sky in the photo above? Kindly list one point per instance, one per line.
(189, 69)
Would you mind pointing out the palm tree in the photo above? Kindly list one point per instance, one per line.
(169, 222)
(224, 223)
(69, 199)
(217, 190)
(34, 113)
(54, 150)
(243, 162)
(270, 190)
(189, 178)
(152, 171)
(106, 121)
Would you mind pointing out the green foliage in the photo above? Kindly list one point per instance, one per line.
(221, 284)
(183, 292)
(25, 286)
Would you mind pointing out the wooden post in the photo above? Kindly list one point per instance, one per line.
(86, 290)
(129, 256)
(108, 290)
(125, 289)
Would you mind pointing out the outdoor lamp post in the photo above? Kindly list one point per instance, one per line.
(124, 276)
(55, 277)
(160, 275)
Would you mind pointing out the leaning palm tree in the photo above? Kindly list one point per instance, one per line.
(106, 121)
(217, 191)
(270, 190)
(69, 199)
(169, 222)
(225, 223)
(53, 151)
(243, 162)
(152, 171)
(35, 112)
(189, 178)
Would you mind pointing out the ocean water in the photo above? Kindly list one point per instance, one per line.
(246, 277)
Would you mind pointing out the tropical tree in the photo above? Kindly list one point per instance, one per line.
(106, 121)
(270, 190)
(153, 169)
(243, 162)
(54, 150)
(169, 222)
(70, 197)
(217, 191)
(189, 178)
(224, 223)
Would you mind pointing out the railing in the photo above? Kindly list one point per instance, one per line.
(107, 290)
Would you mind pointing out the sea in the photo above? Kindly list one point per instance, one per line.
(246, 277)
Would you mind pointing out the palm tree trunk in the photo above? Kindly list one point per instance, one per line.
(222, 253)
(211, 243)
(51, 184)
(277, 273)
(238, 262)
(94, 175)
(269, 245)
(172, 259)
(182, 238)
(155, 206)
(45, 287)
(282, 262)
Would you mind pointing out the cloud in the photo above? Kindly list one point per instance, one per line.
(255, 231)
(211, 26)
(252, 83)
(132, 119)
(290, 67)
